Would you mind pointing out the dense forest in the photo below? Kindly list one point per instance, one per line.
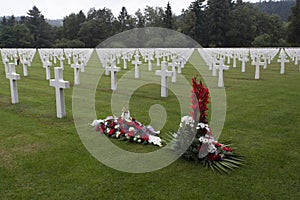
(281, 8)
(212, 23)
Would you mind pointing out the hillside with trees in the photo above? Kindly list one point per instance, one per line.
(281, 8)
(217, 23)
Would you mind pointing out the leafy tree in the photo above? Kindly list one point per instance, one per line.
(153, 16)
(4, 21)
(218, 21)
(124, 20)
(140, 19)
(263, 40)
(72, 24)
(273, 26)
(66, 43)
(200, 32)
(168, 17)
(39, 28)
(97, 27)
(281, 8)
(16, 36)
(242, 25)
(294, 26)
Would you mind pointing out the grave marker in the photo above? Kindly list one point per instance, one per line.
(164, 74)
(13, 77)
(222, 67)
(136, 63)
(59, 85)
(113, 72)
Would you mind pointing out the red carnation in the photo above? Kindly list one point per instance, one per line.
(145, 137)
(111, 131)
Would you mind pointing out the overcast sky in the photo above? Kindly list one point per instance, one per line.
(58, 9)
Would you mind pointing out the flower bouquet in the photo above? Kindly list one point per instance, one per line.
(195, 134)
(127, 128)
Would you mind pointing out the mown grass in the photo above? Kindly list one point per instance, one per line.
(42, 157)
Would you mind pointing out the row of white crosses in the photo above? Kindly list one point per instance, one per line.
(178, 58)
(216, 58)
(9, 57)
(25, 56)
(294, 54)
(58, 82)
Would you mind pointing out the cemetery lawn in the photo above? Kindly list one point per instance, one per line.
(42, 157)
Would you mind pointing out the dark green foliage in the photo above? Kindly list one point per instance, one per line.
(281, 8)
(168, 17)
(71, 25)
(294, 26)
(212, 23)
(39, 28)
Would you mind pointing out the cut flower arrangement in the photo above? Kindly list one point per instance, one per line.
(127, 128)
(194, 130)
(193, 140)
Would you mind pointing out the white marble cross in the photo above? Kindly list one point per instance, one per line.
(25, 71)
(234, 60)
(61, 60)
(150, 58)
(215, 67)
(76, 68)
(16, 58)
(68, 55)
(105, 65)
(59, 85)
(136, 63)
(222, 67)
(157, 56)
(47, 65)
(173, 64)
(265, 60)
(164, 73)
(257, 64)
(113, 75)
(6, 65)
(124, 61)
(282, 59)
(13, 77)
(244, 61)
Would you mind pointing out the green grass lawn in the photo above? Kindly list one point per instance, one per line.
(42, 157)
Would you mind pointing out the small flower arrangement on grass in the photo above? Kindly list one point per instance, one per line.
(127, 128)
(194, 130)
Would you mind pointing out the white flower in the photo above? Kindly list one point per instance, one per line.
(212, 148)
(96, 122)
(131, 129)
(155, 140)
(201, 139)
(187, 120)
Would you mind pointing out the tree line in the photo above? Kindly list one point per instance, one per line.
(215, 23)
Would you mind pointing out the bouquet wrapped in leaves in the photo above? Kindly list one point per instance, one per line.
(195, 134)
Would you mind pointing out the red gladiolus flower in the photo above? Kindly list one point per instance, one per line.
(227, 149)
(218, 145)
